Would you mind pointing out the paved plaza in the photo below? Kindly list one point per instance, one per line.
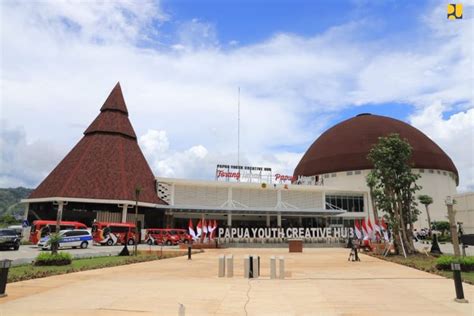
(317, 282)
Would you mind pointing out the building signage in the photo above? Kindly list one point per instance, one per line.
(225, 174)
(292, 232)
(282, 178)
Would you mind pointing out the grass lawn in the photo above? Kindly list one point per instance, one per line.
(29, 271)
(425, 263)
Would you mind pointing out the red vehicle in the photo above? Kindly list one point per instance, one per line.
(161, 236)
(41, 228)
(109, 234)
(183, 235)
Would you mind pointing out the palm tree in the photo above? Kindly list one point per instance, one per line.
(426, 200)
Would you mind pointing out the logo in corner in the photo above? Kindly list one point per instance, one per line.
(454, 11)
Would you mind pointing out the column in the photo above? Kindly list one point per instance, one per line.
(229, 219)
(279, 219)
(300, 221)
(124, 213)
(59, 215)
(268, 220)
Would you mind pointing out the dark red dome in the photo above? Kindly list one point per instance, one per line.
(346, 145)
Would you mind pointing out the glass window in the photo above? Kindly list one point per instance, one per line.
(349, 173)
(357, 172)
(333, 175)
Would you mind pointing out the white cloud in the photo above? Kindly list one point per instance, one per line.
(455, 134)
(23, 163)
(58, 72)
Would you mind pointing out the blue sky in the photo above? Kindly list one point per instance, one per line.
(302, 67)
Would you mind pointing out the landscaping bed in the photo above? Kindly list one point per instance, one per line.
(428, 264)
(31, 271)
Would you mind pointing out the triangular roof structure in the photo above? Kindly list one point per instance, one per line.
(106, 164)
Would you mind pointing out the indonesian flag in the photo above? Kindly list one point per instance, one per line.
(370, 230)
(199, 229)
(191, 229)
(204, 230)
(209, 228)
(385, 230)
(364, 230)
(212, 225)
(357, 229)
(377, 226)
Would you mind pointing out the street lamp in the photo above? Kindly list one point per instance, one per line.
(452, 224)
(137, 194)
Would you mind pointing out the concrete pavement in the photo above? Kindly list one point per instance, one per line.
(318, 282)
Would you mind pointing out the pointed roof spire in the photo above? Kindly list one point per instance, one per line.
(115, 101)
(113, 116)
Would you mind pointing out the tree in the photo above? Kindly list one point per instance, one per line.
(394, 187)
(426, 200)
(371, 181)
(54, 240)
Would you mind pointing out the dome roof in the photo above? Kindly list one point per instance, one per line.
(346, 145)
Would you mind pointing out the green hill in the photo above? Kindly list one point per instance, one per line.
(10, 198)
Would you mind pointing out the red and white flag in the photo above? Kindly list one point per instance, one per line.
(384, 227)
(357, 229)
(199, 229)
(191, 229)
(370, 229)
(364, 230)
(204, 230)
(377, 226)
(211, 227)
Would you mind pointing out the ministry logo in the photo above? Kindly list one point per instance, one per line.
(454, 11)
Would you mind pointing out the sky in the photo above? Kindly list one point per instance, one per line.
(302, 66)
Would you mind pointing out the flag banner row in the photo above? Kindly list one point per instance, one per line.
(364, 230)
(204, 230)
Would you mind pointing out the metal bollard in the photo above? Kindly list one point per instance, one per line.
(189, 252)
(251, 266)
(273, 273)
(221, 273)
(230, 266)
(246, 266)
(4, 267)
(282, 267)
(456, 267)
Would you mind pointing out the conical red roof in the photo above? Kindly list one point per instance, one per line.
(107, 163)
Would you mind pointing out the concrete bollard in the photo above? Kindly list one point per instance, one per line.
(221, 272)
(273, 272)
(282, 267)
(256, 266)
(181, 310)
(246, 266)
(230, 266)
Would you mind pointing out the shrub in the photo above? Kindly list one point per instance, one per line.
(58, 259)
(444, 263)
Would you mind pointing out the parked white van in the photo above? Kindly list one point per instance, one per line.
(69, 238)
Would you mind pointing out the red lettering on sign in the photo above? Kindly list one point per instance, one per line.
(283, 177)
(224, 174)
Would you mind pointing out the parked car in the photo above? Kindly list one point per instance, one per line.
(161, 236)
(9, 239)
(108, 233)
(183, 235)
(69, 238)
(18, 229)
